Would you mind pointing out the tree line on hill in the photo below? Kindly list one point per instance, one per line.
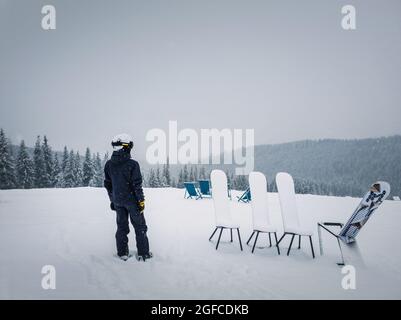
(333, 166)
(323, 167)
(25, 168)
(161, 177)
(43, 168)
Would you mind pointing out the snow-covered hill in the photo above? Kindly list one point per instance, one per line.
(73, 229)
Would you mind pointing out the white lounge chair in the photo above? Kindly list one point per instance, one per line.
(378, 192)
(221, 204)
(289, 211)
(260, 209)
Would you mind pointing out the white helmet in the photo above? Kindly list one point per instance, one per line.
(121, 141)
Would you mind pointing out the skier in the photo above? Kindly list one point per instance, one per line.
(123, 181)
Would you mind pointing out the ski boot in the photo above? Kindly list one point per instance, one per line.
(126, 256)
(144, 257)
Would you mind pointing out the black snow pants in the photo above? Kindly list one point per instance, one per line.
(139, 223)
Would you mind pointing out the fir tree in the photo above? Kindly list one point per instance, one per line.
(64, 161)
(180, 183)
(69, 178)
(97, 179)
(185, 174)
(64, 164)
(166, 173)
(105, 158)
(7, 173)
(191, 174)
(202, 173)
(240, 182)
(57, 173)
(158, 178)
(48, 177)
(39, 165)
(152, 180)
(24, 168)
(173, 183)
(88, 169)
(77, 170)
(196, 175)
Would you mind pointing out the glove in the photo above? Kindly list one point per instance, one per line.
(141, 206)
(112, 207)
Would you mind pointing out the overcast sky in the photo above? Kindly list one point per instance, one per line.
(285, 68)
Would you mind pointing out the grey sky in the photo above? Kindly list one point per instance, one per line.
(285, 68)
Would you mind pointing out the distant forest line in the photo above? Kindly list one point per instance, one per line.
(325, 167)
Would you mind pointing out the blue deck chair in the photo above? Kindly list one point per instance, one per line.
(191, 191)
(246, 196)
(378, 192)
(204, 188)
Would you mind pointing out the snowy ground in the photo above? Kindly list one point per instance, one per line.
(73, 229)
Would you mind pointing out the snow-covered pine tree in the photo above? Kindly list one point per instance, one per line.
(88, 169)
(57, 173)
(24, 168)
(180, 183)
(152, 181)
(77, 170)
(202, 173)
(196, 174)
(185, 174)
(158, 177)
(166, 173)
(145, 180)
(48, 177)
(63, 166)
(163, 182)
(39, 165)
(240, 182)
(7, 173)
(69, 178)
(105, 158)
(191, 174)
(97, 179)
(64, 160)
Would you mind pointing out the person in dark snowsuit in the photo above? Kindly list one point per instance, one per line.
(123, 181)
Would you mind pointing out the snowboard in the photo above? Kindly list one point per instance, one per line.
(369, 203)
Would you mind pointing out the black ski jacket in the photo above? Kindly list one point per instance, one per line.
(123, 179)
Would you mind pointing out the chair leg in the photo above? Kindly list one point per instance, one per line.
(311, 246)
(289, 248)
(218, 241)
(270, 240)
(239, 238)
(319, 233)
(231, 234)
(250, 237)
(213, 234)
(299, 242)
(342, 263)
(282, 237)
(278, 249)
(256, 239)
